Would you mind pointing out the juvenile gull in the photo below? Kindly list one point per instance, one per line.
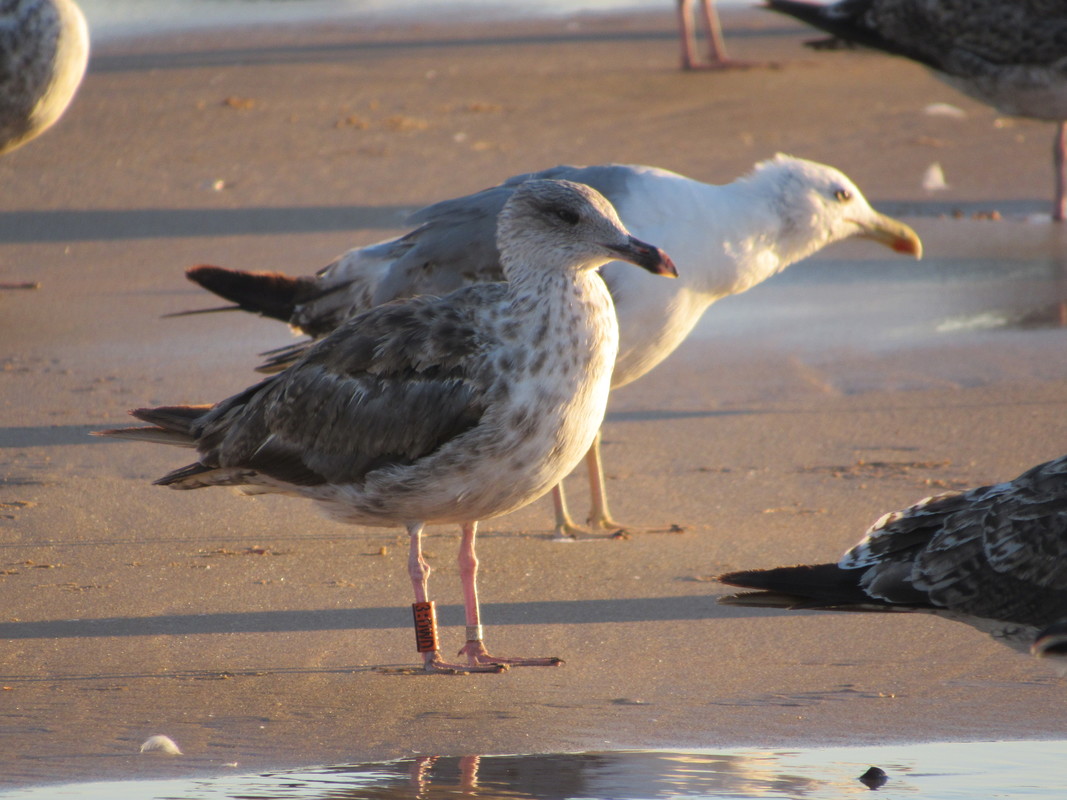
(44, 49)
(725, 240)
(994, 557)
(1009, 54)
(438, 410)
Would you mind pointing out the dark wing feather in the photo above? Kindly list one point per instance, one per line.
(804, 586)
(853, 21)
(996, 551)
(964, 38)
(454, 246)
(389, 387)
(455, 243)
(1025, 533)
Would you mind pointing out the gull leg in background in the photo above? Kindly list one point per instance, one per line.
(566, 527)
(688, 39)
(599, 515)
(717, 58)
(713, 30)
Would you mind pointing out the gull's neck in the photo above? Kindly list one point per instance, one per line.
(759, 237)
(555, 287)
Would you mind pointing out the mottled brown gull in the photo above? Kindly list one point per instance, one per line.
(725, 240)
(1008, 54)
(438, 410)
(994, 557)
(44, 49)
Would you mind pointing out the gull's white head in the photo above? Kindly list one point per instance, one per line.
(821, 205)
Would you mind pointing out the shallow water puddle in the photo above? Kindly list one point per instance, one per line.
(937, 771)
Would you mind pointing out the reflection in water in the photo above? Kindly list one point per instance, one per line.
(1048, 315)
(615, 775)
(931, 771)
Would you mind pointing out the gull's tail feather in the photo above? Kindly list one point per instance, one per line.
(281, 358)
(845, 23)
(173, 425)
(813, 14)
(176, 419)
(270, 294)
(808, 586)
(170, 425)
(188, 477)
(156, 435)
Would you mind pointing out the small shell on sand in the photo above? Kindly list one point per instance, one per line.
(162, 744)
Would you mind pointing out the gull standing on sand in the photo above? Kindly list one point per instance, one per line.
(44, 49)
(993, 557)
(438, 410)
(1008, 54)
(725, 239)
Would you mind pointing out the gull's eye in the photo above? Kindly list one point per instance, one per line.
(843, 195)
(568, 216)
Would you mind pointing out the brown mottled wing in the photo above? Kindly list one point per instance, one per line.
(967, 38)
(977, 36)
(1025, 533)
(997, 551)
(389, 387)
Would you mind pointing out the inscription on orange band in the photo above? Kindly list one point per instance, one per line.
(425, 626)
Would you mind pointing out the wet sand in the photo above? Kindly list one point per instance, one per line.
(251, 630)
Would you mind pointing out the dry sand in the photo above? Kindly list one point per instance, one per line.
(249, 629)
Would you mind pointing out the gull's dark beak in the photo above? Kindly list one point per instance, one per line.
(646, 256)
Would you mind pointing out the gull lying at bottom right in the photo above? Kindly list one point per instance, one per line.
(994, 557)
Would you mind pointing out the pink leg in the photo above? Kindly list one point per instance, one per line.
(468, 773)
(716, 46)
(686, 35)
(419, 570)
(717, 58)
(474, 649)
(1059, 161)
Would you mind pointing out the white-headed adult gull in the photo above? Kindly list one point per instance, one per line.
(725, 239)
(993, 557)
(438, 410)
(44, 49)
(1009, 54)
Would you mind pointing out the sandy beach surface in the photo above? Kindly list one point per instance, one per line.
(252, 631)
